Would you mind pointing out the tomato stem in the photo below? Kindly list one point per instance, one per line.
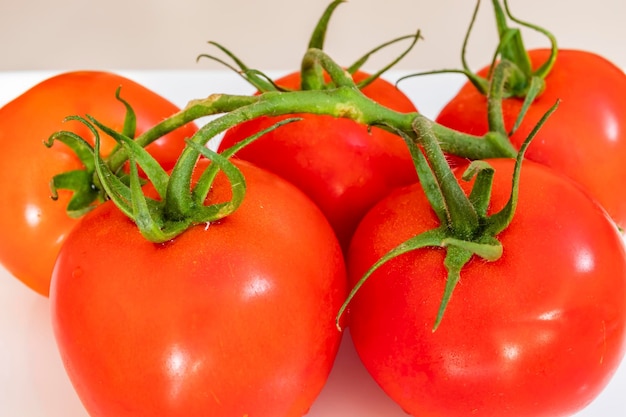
(84, 183)
(466, 230)
(501, 220)
(361, 61)
(312, 73)
(203, 185)
(85, 194)
(319, 33)
(543, 71)
(430, 238)
(182, 202)
(461, 216)
(511, 48)
(254, 77)
(480, 83)
(521, 83)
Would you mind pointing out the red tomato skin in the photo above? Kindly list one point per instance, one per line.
(539, 332)
(32, 225)
(232, 319)
(585, 138)
(344, 167)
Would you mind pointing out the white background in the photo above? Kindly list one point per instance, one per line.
(273, 34)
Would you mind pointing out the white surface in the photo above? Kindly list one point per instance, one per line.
(33, 382)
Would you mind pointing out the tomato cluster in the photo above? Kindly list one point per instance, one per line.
(201, 282)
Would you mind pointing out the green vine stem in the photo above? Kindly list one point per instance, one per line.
(344, 100)
(465, 231)
(525, 82)
(312, 74)
(180, 208)
(515, 50)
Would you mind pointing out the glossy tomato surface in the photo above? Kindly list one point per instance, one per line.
(585, 138)
(32, 225)
(344, 167)
(539, 332)
(235, 318)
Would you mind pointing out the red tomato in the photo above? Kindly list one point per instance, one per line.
(32, 225)
(585, 138)
(344, 167)
(538, 332)
(234, 318)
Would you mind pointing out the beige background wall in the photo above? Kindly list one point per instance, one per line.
(272, 34)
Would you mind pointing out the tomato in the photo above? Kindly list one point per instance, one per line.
(344, 167)
(539, 332)
(233, 318)
(585, 138)
(32, 225)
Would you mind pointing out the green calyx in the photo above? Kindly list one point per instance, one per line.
(84, 183)
(85, 193)
(180, 202)
(511, 48)
(522, 80)
(466, 229)
(312, 74)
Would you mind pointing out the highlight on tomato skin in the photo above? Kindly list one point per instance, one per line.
(539, 332)
(233, 318)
